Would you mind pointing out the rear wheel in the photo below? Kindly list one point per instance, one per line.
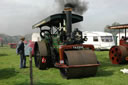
(118, 54)
(40, 60)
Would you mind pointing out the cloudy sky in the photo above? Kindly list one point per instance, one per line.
(18, 16)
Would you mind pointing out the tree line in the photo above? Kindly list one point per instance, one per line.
(13, 39)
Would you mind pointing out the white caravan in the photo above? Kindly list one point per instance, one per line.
(100, 40)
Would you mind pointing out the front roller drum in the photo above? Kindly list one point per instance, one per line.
(80, 63)
(118, 55)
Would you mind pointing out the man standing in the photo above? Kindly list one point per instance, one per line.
(20, 50)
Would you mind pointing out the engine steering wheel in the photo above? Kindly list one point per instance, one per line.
(44, 32)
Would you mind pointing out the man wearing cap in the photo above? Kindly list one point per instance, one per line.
(20, 50)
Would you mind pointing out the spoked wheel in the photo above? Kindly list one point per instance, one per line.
(80, 57)
(40, 60)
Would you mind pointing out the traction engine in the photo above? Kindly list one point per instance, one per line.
(119, 54)
(62, 48)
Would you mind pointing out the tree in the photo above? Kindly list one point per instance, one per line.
(113, 31)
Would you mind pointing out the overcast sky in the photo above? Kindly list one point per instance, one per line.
(18, 16)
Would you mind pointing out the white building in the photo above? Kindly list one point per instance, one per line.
(100, 40)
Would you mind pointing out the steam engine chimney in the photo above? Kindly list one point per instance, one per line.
(68, 12)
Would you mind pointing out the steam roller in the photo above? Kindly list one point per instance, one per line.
(119, 54)
(62, 48)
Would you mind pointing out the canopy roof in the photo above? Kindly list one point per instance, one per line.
(54, 20)
(122, 26)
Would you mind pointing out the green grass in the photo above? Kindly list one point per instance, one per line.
(10, 74)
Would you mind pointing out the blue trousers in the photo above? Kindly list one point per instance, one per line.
(22, 61)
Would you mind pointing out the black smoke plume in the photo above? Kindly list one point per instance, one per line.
(78, 6)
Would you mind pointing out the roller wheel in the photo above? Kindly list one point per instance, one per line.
(80, 57)
(40, 60)
(117, 54)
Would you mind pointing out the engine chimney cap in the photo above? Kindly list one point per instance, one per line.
(68, 7)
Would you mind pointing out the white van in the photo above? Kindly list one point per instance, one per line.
(100, 40)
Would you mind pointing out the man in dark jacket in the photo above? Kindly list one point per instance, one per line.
(20, 50)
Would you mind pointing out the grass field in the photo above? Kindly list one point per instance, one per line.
(10, 74)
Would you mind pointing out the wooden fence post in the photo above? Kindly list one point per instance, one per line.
(31, 73)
